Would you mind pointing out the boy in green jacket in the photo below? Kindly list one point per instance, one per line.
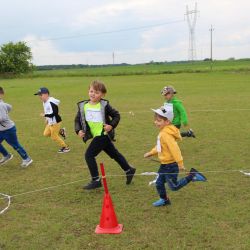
(176, 106)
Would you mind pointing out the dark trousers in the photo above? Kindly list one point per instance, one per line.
(103, 143)
(168, 173)
(11, 138)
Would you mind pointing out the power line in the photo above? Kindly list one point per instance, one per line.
(107, 32)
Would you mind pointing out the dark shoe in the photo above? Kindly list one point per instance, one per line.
(189, 133)
(197, 176)
(130, 174)
(93, 185)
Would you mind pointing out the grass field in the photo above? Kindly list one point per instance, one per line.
(212, 215)
(242, 65)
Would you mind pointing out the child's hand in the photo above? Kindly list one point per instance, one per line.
(147, 155)
(107, 128)
(182, 168)
(81, 134)
(42, 114)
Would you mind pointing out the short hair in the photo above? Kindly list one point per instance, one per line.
(1, 90)
(98, 86)
(161, 117)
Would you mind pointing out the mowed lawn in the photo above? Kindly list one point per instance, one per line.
(212, 215)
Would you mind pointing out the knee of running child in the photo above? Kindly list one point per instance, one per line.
(89, 154)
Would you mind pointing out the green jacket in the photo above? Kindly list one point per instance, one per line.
(180, 114)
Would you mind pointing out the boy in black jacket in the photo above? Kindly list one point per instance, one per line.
(97, 119)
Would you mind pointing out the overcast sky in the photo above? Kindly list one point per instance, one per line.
(37, 21)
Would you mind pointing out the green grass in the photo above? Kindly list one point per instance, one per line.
(242, 65)
(212, 215)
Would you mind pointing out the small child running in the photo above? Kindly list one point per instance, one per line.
(53, 119)
(180, 114)
(170, 157)
(97, 119)
(8, 134)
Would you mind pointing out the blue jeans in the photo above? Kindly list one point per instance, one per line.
(11, 138)
(168, 173)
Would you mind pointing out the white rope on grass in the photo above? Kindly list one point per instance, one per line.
(245, 173)
(8, 197)
(133, 113)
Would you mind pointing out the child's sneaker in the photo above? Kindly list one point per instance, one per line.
(197, 176)
(189, 133)
(93, 185)
(62, 133)
(26, 162)
(130, 174)
(64, 150)
(6, 159)
(161, 202)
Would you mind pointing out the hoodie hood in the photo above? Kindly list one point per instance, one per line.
(54, 100)
(172, 130)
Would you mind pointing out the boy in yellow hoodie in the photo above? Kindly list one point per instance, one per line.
(170, 157)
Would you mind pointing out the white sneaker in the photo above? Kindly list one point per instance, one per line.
(63, 150)
(6, 159)
(26, 163)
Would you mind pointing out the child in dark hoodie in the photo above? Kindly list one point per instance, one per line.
(97, 119)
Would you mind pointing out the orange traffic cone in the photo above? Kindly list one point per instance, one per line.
(108, 222)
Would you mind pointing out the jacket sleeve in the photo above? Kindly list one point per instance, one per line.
(78, 125)
(54, 110)
(183, 113)
(8, 106)
(153, 151)
(114, 114)
(3, 114)
(174, 149)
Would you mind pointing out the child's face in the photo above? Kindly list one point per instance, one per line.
(95, 95)
(168, 96)
(1, 95)
(44, 97)
(160, 122)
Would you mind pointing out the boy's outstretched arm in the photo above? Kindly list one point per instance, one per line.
(151, 153)
(183, 113)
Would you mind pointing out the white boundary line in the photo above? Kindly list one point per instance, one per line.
(245, 172)
(132, 113)
(6, 196)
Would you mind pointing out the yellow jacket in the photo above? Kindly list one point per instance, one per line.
(167, 148)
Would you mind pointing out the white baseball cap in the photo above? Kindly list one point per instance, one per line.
(164, 112)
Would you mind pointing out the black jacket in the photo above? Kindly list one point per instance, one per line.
(109, 114)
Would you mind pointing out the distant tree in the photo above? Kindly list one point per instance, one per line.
(15, 58)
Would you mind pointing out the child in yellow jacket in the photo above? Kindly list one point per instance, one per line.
(170, 157)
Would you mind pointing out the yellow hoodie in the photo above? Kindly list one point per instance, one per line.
(167, 148)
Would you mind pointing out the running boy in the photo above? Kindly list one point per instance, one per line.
(53, 119)
(8, 134)
(170, 157)
(97, 119)
(180, 114)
